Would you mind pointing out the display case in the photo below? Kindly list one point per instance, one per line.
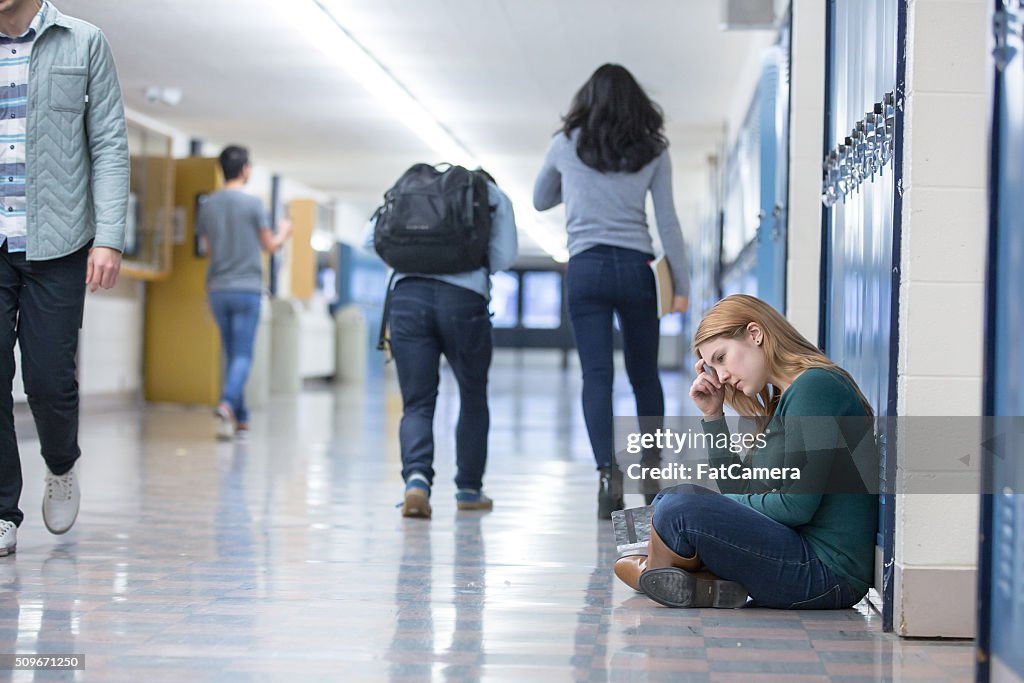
(147, 249)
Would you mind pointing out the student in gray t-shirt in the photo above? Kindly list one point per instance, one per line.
(234, 228)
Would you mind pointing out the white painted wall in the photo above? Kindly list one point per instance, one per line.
(350, 216)
(807, 130)
(110, 343)
(110, 346)
(746, 85)
(941, 301)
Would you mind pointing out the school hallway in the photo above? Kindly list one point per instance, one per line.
(284, 558)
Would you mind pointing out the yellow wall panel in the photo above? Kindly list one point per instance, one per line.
(182, 347)
(302, 213)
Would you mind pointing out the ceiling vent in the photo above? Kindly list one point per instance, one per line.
(747, 15)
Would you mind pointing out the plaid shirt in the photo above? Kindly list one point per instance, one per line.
(14, 60)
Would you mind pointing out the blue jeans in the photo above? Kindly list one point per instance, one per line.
(429, 318)
(772, 561)
(237, 315)
(603, 281)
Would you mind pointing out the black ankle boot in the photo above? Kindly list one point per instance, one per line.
(609, 492)
(650, 487)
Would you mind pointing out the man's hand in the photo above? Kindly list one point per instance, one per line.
(103, 268)
(680, 304)
(284, 229)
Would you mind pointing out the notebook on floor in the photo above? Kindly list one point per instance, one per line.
(632, 529)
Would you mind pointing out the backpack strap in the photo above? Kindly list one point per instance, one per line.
(383, 342)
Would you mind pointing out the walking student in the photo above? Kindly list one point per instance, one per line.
(611, 153)
(64, 161)
(437, 314)
(236, 229)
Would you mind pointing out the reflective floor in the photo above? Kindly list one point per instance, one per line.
(284, 558)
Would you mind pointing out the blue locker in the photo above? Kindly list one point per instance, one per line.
(861, 232)
(757, 179)
(1001, 564)
(741, 207)
(773, 94)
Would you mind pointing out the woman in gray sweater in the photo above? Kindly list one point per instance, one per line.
(609, 154)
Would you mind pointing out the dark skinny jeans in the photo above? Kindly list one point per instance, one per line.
(604, 281)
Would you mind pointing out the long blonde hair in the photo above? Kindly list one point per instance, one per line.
(786, 351)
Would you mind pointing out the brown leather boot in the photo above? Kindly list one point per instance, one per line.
(628, 569)
(677, 581)
(674, 587)
(660, 555)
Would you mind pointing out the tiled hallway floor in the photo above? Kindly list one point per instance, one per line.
(285, 559)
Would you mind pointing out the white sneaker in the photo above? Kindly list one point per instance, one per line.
(225, 422)
(60, 501)
(8, 537)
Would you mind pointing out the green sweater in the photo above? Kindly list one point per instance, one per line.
(831, 505)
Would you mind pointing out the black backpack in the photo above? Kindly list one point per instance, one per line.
(435, 221)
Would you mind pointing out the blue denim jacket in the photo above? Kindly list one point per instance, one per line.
(503, 249)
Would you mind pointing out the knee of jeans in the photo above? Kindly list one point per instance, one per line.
(422, 404)
(599, 376)
(680, 507)
(685, 490)
(645, 378)
(473, 402)
(667, 512)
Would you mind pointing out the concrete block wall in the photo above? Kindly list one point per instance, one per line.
(942, 300)
(807, 130)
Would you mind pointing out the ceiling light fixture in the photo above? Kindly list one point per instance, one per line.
(167, 95)
(333, 39)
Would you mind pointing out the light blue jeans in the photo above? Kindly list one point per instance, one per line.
(237, 315)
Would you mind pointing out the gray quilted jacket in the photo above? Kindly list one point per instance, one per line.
(76, 165)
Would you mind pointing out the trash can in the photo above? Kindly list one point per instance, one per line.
(350, 324)
(284, 347)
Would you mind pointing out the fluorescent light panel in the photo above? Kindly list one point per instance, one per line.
(320, 28)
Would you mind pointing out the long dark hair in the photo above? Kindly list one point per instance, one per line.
(620, 127)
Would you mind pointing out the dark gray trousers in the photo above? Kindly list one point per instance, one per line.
(41, 305)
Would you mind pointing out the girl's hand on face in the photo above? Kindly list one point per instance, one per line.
(707, 391)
